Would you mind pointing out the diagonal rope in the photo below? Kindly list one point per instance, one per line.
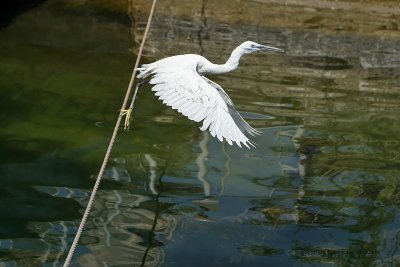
(110, 146)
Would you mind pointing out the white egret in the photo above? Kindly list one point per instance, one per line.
(180, 82)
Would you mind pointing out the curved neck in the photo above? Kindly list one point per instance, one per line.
(231, 64)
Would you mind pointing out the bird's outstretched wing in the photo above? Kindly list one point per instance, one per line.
(238, 119)
(199, 99)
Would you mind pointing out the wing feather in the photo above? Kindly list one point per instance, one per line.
(186, 107)
(180, 102)
(186, 110)
(157, 88)
(174, 100)
(240, 122)
(200, 115)
(168, 92)
(169, 95)
(199, 99)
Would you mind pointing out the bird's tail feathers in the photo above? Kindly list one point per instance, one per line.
(144, 71)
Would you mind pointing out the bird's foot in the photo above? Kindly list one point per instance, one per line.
(127, 113)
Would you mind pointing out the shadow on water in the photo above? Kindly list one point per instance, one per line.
(10, 9)
(321, 187)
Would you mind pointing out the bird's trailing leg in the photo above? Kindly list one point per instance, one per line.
(128, 112)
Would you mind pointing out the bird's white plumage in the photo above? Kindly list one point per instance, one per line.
(179, 82)
(190, 94)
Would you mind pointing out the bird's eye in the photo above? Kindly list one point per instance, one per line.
(253, 46)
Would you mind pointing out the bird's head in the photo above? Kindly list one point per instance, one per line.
(249, 47)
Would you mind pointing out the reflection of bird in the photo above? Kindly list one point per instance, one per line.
(180, 82)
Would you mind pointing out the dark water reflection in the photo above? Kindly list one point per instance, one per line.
(321, 188)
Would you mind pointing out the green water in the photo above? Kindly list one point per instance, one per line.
(321, 188)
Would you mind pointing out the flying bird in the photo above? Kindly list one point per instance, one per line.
(180, 82)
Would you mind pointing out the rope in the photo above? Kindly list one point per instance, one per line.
(110, 146)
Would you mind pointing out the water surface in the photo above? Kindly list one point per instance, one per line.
(321, 188)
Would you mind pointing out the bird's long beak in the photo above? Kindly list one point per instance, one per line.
(271, 49)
